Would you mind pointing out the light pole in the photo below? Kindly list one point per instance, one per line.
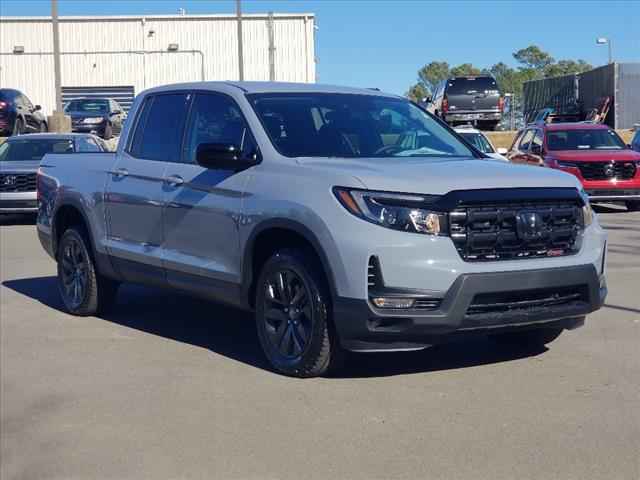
(605, 41)
(58, 122)
(240, 59)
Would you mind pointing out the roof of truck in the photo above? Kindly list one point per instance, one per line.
(275, 87)
(575, 126)
(45, 136)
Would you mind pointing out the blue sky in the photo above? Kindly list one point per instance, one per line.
(382, 43)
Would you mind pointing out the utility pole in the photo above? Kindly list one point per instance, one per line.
(240, 59)
(58, 122)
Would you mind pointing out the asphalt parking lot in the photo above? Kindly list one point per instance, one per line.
(169, 387)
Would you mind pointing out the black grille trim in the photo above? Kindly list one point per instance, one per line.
(607, 170)
(528, 300)
(17, 182)
(490, 232)
(374, 276)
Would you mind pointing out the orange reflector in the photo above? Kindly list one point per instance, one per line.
(347, 201)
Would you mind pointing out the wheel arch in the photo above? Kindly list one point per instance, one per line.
(270, 236)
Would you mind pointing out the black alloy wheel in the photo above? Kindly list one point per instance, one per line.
(288, 314)
(73, 273)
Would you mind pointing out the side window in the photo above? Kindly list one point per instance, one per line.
(159, 130)
(87, 145)
(536, 143)
(526, 140)
(636, 141)
(216, 119)
(26, 103)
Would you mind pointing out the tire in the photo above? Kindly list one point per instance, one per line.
(297, 336)
(538, 337)
(108, 132)
(18, 127)
(83, 290)
(633, 206)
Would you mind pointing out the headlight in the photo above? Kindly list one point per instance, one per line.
(408, 213)
(587, 211)
(92, 120)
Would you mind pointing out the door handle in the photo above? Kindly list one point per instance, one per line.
(120, 173)
(174, 180)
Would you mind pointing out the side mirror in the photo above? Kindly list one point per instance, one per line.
(223, 156)
(502, 150)
(37, 107)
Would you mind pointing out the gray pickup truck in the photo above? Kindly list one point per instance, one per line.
(346, 219)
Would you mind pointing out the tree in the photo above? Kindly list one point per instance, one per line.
(566, 67)
(464, 70)
(433, 73)
(533, 57)
(417, 93)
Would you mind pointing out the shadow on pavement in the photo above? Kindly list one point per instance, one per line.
(231, 332)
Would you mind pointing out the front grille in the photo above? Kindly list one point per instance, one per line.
(507, 231)
(17, 182)
(607, 170)
(527, 300)
(427, 304)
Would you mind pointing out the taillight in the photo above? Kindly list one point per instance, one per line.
(3, 105)
(445, 105)
(501, 104)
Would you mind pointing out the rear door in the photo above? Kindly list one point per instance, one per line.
(135, 193)
(28, 110)
(201, 246)
(472, 94)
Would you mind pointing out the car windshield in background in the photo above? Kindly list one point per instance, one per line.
(353, 126)
(30, 150)
(87, 106)
(471, 85)
(584, 140)
(477, 140)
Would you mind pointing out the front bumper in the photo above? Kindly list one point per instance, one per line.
(613, 195)
(19, 202)
(363, 327)
(94, 128)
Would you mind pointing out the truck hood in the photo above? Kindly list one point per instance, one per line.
(595, 155)
(21, 166)
(439, 176)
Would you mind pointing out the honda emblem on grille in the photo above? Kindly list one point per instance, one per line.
(9, 180)
(610, 170)
(530, 225)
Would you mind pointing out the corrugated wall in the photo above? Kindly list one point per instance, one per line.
(214, 36)
(628, 95)
(594, 86)
(555, 92)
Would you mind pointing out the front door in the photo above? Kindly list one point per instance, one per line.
(203, 206)
(135, 192)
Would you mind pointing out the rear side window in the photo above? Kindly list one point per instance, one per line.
(471, 85)
(159, 130)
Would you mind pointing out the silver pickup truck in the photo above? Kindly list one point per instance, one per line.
(346, 219)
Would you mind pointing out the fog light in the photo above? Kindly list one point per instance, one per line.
(382, 302)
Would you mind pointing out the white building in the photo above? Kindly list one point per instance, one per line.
(123, 55)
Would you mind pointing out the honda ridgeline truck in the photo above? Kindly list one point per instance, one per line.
(346, 219)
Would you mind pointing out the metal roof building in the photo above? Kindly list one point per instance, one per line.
(118, 56)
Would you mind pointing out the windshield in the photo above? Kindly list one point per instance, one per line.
(478, 140)
(26, 150)
(87, 106)
(471, 85)
(584, 140)
(353, 126)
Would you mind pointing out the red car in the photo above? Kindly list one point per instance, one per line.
(608, 169)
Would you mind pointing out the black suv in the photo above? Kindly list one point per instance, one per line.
(465, 100)
(101, 116)
(18, 115)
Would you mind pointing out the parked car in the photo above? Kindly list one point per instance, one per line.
(480, 141)
(472, 99)
(607, 168)
(101, 116)
(635, 141)
(315, 207)
(18, 115)
(19, 161)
